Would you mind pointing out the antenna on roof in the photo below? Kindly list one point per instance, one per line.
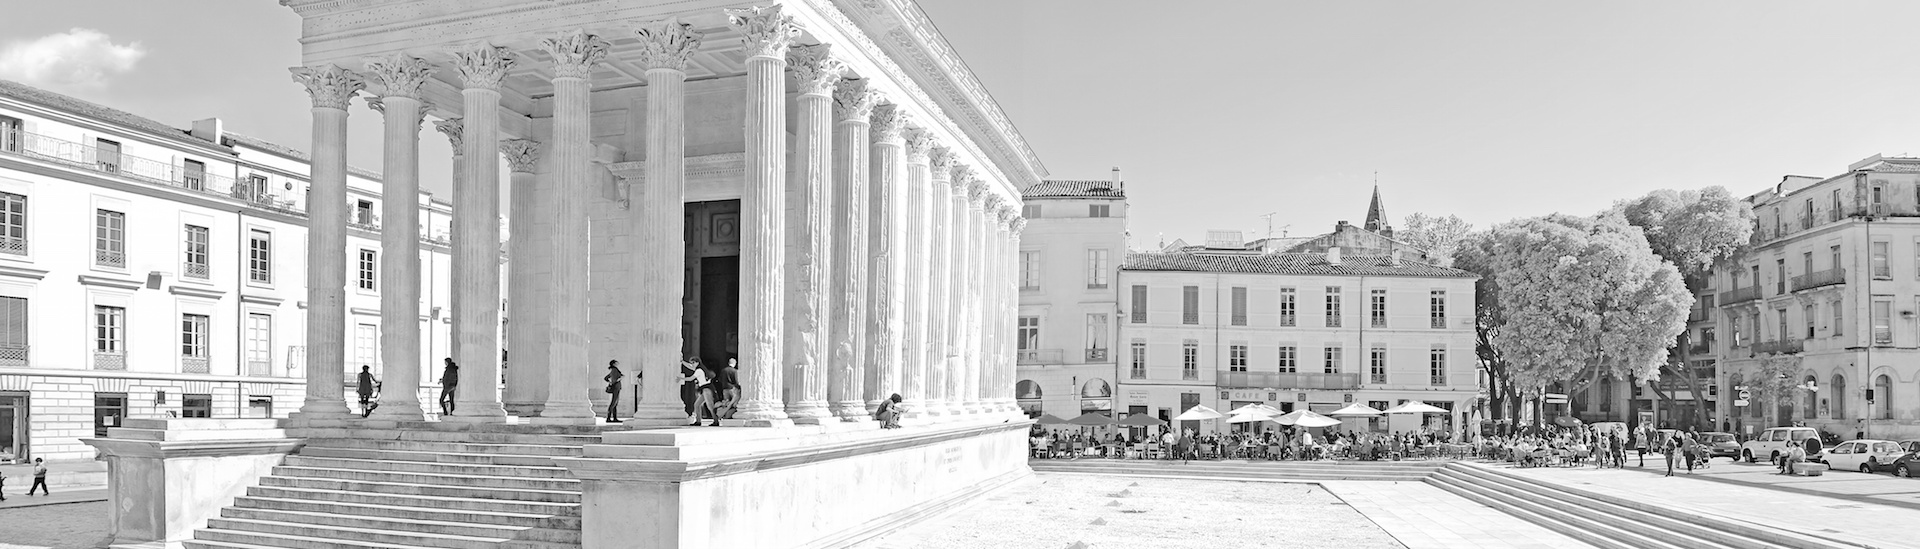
(1269, 217)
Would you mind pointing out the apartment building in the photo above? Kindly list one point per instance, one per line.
(148, 271)
(1070, 254)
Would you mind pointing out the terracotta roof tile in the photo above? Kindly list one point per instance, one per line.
(1073, 188)
(96, 111)
(1286, 263)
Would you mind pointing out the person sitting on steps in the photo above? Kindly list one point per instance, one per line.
(889, 412)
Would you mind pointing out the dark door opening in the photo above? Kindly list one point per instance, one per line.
(719, 308)
(711, 320)
(13, 427)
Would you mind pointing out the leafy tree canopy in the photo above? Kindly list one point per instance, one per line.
(1694, 230)
(1439, 236)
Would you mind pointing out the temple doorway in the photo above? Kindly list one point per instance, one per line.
(711, 321)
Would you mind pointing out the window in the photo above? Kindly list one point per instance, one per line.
(1377, 308)
(110, 239)
(368, 271)
(1806, 263)
(1882, 322)
(1437, 309)
(1834, 251)
(195, 263)
(366, 349)
(1883, 395)
(1836, 318)
(1098, 210)
(1029, 271)
(193, 174)
(1739, 334)
(1377, 365)
(1779, 276)
(1139, 369)
(1834, 214)
(1809, 312)
(1880, 266)
(1877, 195)
(1097, 334)
(196, 406)
(107, 155)
(9, 134)
(1028, 337)
(1287, 307)
(1333, 306)
(193, 343)
(1096, 269)
(259, 344)
(13, 332)
(108, 410)
(1237, 358)
(1437, 367)
(256, 189)
(1289, 359)
(1190, 305)
(363, 212)
(1239, 306)
(1190, 360)
(1030, 211)
(109, 338)
(1139, 304)
(1333, 358)
(260, 256)
(13, 224)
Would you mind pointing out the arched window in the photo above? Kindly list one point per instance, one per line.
(1028, 394)
(1838, 389)
(1096, 396)
(1883, 395)
(1808, 411)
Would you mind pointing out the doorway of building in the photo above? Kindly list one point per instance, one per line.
(710, 322)
(13, 428)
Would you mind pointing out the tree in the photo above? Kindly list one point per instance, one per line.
(1439, 236)
(1695, 231)
(1573, 299)
(1776, 383)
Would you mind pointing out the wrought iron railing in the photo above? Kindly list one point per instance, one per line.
(194, 364)
(1739, 295)
(89, 157)
(1437, 381)
(1097, 355)
(110, 258)
(13, 245)
(259, 368)
(1289, 381)
(14, 356)
(109, 360)
(1137, 372)
(1817, 279)
(1437, 322)
(1781, 347)
(195, 270)
(1038, 356)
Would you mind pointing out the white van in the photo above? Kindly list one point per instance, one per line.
(1774, 443)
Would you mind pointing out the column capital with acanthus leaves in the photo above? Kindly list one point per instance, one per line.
(329, 86)
(521, 154)
(815, 69)
(668, 46)
(455, 129)
(940, 160)
(482, 65)
(767, 31)
(889, 123)
(853, 100)
(575, 52)
(401, 74)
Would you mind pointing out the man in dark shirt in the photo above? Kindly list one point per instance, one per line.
(449, 382)
(727, 383)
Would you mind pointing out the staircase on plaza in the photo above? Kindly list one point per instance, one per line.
(464, 487)
(1611, 522)
(1296, 471)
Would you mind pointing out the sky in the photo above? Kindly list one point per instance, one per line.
(1220, 113)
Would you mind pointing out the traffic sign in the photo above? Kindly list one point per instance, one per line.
(1555, 398)
(1740, 402)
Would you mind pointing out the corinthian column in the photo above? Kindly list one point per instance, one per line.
(402, 76)
(1009, 375)
(960, 299)
(526, 384)
(659, 223)
(574, 55)
(980, 201)
(915, 214)
(886, 230)
(846, 374)
(476, 238)
(329, 87)
(939, 266)
(767, 33)
(809, 250)
(1002, 306)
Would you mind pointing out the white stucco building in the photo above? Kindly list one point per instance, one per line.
(1070, 255)
(150, 272)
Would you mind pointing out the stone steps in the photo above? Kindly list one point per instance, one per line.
(410, 489)
(1611, 522)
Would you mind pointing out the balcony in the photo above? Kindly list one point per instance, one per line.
(109, 360)
(1781, 347)
(109, 258)
(1039, 356)
(1096, 355)
(259, 368)
(14, 356)
(194, 364)
(193, 270)
(1739, 295)
(1700, 348)
(1818, 279)
(1288, 381)
(13, 245)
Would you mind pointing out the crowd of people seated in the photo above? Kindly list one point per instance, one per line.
(1284, 443)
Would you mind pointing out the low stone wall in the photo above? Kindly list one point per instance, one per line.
(800, 487)
(167, 477)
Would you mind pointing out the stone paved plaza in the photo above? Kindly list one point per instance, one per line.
(62, 526)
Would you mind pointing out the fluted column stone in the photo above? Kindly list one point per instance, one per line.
(476, 238)
(401, 75)
(329, 87)
(990, 302)
(767, 32)
(659, 223)
(526, 388)
(846, 374)
(979, 202)
(455, 129)
(939, 277)
(886, 231)
(913, 256)
(960, 299)
(809, 246)
(1005, 298)
(1009, 375)
(575, 53)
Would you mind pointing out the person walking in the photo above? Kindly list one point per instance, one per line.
(366, 391)
(727, 385)
(449, 383)
(689, 387)
(704, 393)
(614, 379)
(39, 478)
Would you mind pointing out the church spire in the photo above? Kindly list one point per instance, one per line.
(1377, 214)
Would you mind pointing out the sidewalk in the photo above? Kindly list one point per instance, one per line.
(68, 481)
(1748, 493)
(16, 498)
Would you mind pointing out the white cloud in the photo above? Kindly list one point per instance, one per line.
(76, 59)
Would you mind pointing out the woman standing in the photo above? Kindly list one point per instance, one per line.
(614, 379)
(690, 386)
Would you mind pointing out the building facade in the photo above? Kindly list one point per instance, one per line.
(153, 272)
(1832, 284)
(1070, 256)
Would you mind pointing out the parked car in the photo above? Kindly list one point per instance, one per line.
(1908, 464)
(1865, 455)
(1773, 442)
(1720, 444)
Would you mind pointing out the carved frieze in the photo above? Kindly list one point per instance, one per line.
(575, 52)
(329, 86)
(889, 122)
(815, 71)
(852, 100)
(482, 65)
(667, 46)
(766, 31)
(521, 154)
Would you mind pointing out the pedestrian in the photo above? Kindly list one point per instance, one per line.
(1689, 448)
(704, 395)
(449, 383)
(727, 385)
(689, 387)
(366, 391)
(3, 486)
(39, 478)
(613, 378)
(889, 412)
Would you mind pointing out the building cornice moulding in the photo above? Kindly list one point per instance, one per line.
(261, 300)
(16, 271)
(191, 291)
(120, 283)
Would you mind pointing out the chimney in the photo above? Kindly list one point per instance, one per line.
(1333, 254)
(1339, 226)
(1118, 184)
(1394, 260)
(209, 129)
